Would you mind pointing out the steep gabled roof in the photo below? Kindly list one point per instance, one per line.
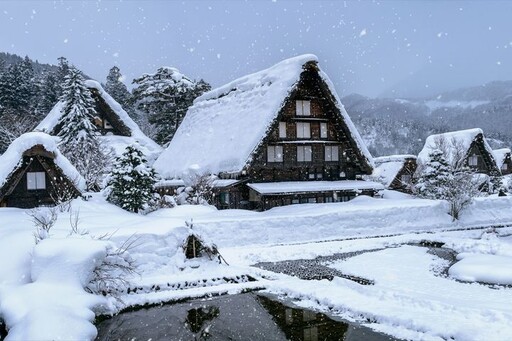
(500, 155)
(387, 167)
(12, 159)
(117, 117)
(225, 126)
(453, 142)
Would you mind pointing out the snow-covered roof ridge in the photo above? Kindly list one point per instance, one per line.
(500, 154)
(393, 158)
(451, 141)
(249, 104)
(11, 159)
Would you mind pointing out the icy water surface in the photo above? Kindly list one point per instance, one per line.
(236, 317)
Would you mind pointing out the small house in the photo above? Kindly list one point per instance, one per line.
(276, 137)
(503, 160)
(34, 173)
(117, 128)
(467, 148)
(395, 171)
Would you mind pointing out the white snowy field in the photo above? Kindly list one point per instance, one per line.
(41, 284)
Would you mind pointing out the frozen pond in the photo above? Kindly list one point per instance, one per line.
(233, 317)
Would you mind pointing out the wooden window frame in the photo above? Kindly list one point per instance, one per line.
(302, 155)
(303, 108)
(36, 181)
(303, 130)
(275, 154)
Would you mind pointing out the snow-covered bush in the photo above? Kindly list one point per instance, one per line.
(439, 180)
(43, 218)
(130, 184)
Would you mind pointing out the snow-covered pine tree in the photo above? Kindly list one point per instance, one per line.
(434, 177)
(118, 90)
(131, 181)
(165, 97)
(17, 88)
(79, 136)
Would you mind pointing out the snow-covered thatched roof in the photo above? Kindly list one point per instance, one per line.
(225, 126)
(149, 147)
(387, 167)
(455, 145)
(13, 157)
(500, 155)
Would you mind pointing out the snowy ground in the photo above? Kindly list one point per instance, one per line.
(412, 297)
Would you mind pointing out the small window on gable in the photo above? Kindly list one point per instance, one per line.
(275, 153)
(282, 129)
(303, 130)
(473, 160)
(304, 153)
(332, 153)
(303, 108)
(405, 179)
(36, 180)
(107, 124)
(323, 130)
(504, 166)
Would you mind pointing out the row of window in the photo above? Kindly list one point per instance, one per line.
(303, 130)
(304, 153)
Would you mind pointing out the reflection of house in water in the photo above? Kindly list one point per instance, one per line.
(304, 325)
(246, 317)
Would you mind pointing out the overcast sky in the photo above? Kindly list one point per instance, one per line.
(386, 48)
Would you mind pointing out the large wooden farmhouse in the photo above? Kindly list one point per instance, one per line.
(277, 137)
(463, 148)
(34, 173)
(117, 128)
(395, 171)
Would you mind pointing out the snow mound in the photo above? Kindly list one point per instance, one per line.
(11, 159)
(55, 305)
(484, 268)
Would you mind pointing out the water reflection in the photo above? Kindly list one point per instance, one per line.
(236, 317)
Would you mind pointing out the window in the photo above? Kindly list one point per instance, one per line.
(303, 108)
(295, 201)
(311, 200)
(36, 180)
(304, 153)
(504, 167)
(275, 153)
(224, 198)
(282, 129)
(303, 130)
(328, 199)
(323, 130)
(311, 176)
(107, 124)
(473, 160)
(332, 153)
(405, 178)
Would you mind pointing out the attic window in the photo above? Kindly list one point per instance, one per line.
(36, 180)
(473, 160)
(323, 130)
(304, 153)
(303, 130)
(332, 153)
(303, 108)
(107, 124)
(504, 166)
(282, 129)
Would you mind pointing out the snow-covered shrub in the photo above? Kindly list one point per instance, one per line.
(43, 218)
(108, 277)
(196, 245)
(131, 181)
(439, 180)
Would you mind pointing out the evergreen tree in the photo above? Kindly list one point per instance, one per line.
(117, 89)
(434, 177)
(49, 93)
(131, 181)
(17, 88)
(165, 97)
(79, 136)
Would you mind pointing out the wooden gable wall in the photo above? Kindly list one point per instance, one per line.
(15, 192)
(506, 168)
(407, 170)
(485, 161)
(107, 116)
(350, 164)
